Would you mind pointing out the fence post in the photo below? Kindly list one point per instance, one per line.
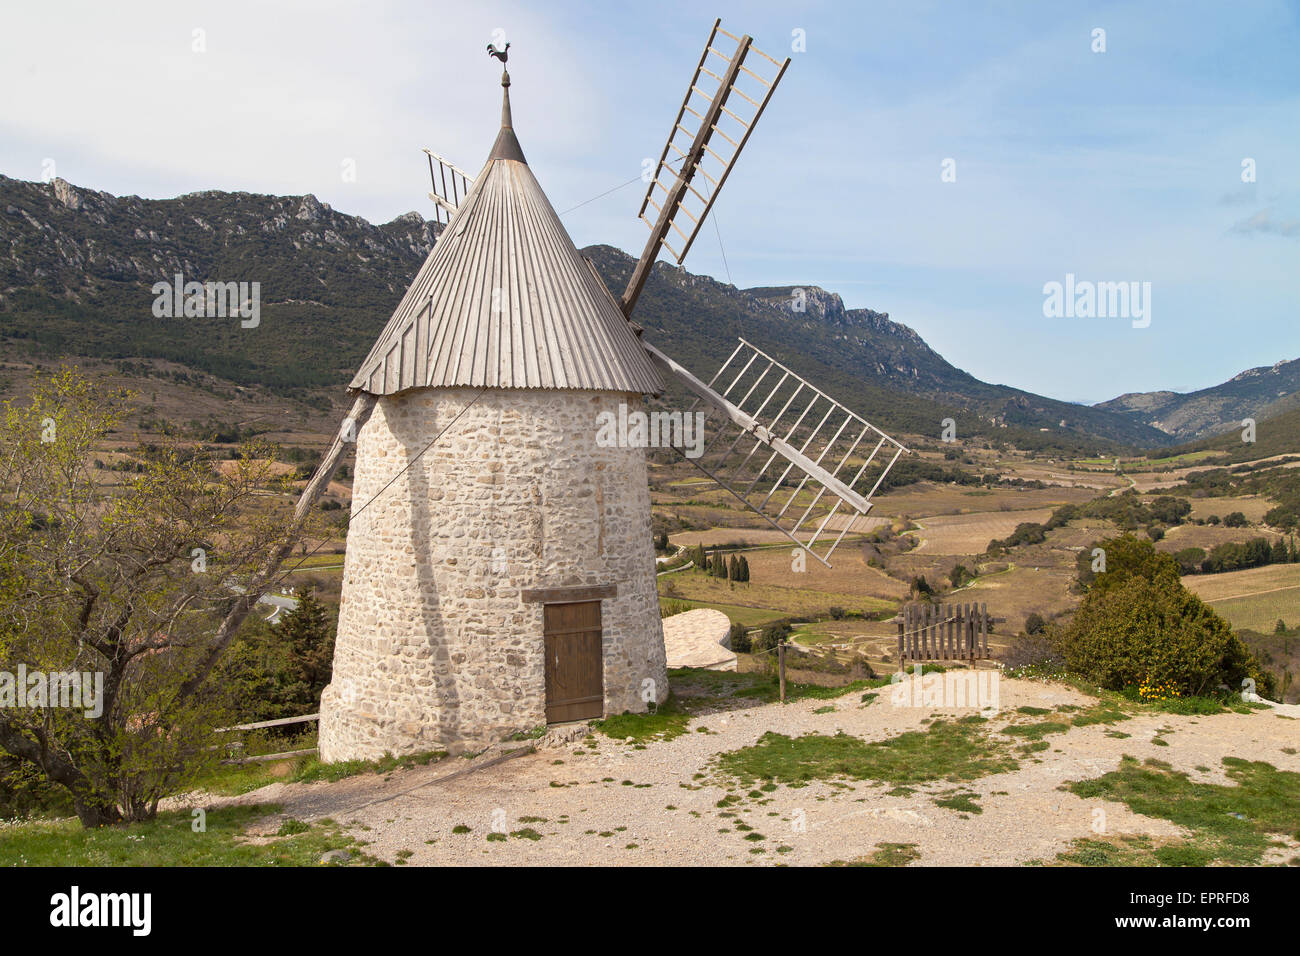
(780, 656)
(984, 630)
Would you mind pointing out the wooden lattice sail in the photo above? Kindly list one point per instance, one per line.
(785, 448)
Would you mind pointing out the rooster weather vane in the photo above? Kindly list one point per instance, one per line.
(502, 54)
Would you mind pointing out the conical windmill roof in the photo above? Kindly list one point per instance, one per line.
(505, 300)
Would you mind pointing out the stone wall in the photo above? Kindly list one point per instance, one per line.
(437, 649)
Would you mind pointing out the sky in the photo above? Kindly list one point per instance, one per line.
(941, 162)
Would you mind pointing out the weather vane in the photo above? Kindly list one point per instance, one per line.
(503, 54)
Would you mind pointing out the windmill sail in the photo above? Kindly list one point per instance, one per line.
(801, 460)
(451, 185)
(724, 100)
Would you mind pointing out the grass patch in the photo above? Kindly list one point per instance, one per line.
(170, 840)
(1036, 731)
(669, 720)
(962, 802)
(885, 854)
(946, 750)
(1231, 824)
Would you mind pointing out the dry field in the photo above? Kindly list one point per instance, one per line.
(1208, 535)
(1246, 583)
(1252, 506)
(971, 533)
(926, 498)
(782, 599)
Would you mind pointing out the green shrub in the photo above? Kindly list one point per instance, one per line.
(739, 638)
(1137, 624)
(777, 632)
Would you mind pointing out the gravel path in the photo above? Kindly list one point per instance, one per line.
(625, 806)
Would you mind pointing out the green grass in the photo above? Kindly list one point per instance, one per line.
(170, 840)
(946, 750)
(1036, 731)
(1230, 824)
(885, 854)
(963, 802)
(669, 720)
(749, 616)
(1133, 851)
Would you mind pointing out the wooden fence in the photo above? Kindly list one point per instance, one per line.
(235, 749)
(943, 632)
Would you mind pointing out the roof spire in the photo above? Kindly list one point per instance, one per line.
(506, 146)
(506, 122)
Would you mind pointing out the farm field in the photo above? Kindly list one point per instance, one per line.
(1208, 535)
(971, 533)
(1255, 598)
(704, 590)
(927, 498)
(1252, 506)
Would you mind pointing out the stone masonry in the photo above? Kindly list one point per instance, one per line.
(437, 648)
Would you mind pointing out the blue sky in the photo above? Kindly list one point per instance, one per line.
(1117, 166)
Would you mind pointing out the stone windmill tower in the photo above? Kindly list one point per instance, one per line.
(500, 572)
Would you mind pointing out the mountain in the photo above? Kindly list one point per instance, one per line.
(1257, 393)
(880, 368)
(77, 269)
(1275, 435)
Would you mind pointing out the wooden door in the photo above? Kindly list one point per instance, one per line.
(575, 685)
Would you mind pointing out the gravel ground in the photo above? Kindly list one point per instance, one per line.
(625, 806)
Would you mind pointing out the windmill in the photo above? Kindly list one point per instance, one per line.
(806, 464)
(499, 573)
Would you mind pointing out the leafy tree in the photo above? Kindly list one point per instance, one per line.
(1169, 510)
(1035, 624)
(130, 582)
(1235, 519)
(1189, 559)
(1282, 517)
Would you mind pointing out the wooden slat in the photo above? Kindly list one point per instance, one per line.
(574, 664)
